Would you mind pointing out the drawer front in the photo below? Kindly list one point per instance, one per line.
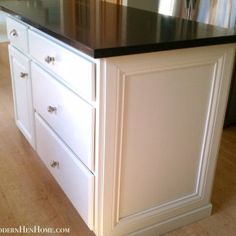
(17, 34)
(70, 117)
(75, 71)
(75, 180)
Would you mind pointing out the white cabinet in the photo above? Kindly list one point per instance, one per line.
(158, 145)
(21, 83)
(75, 71)
(17, 34)
(54, 110)
(71, 118)
(138, 158)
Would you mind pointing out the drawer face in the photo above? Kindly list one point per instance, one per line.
(75, 180)
(75, 71)
(69, 116)
(17, 34)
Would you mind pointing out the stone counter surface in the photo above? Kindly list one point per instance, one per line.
(101, 29)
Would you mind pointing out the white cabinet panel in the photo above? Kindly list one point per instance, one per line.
(164, 117)
(21, 82)
(75, 71)
(17, 34)
(75, 180)
(163, 135)
(66, 113)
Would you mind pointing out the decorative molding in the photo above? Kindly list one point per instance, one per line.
(170, 215)
(211, 117)
(122, 78)
(175, 222)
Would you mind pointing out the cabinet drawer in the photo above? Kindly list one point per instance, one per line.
(75, 180)
(70, 117)
(75, 71)
(17, 34)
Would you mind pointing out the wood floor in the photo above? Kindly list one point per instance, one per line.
(30, 196)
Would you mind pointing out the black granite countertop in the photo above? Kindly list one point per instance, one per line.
(102, 29)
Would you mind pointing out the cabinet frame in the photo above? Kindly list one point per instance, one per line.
(189, 208)
(28, 132)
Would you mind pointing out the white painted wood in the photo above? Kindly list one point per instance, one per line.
(162, 133)
(73, 119)
(22, 93)
(17, 34)
(75, 180)
(161, 111)
(75, 71)
(174, 223)
(154, 143)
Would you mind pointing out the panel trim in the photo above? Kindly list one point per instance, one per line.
(122, 78)
(175, 222)
(113, 74)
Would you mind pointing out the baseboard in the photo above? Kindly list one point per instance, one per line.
(176, 222)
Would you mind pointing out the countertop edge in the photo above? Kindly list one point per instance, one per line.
(126, 50)
(148, 48)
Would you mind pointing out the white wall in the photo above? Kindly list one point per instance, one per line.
(2, 17)
(3, 34)
(149, 5)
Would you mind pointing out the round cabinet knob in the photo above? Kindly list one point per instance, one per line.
(50, 60)
(13, 33)
(52, 109)
(54, 164)
(23, 75)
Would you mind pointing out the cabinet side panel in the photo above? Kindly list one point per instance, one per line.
(164, 120)
(163, 114)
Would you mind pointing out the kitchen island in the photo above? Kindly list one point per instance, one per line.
(125, 107)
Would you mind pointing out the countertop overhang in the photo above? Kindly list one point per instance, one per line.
(101, 29)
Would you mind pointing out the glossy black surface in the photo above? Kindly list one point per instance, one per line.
(102, 29)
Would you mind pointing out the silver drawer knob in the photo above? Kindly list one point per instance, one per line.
(50, 60)
(13, 33)
(23, 75)
(52, 109)
(54, 164)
